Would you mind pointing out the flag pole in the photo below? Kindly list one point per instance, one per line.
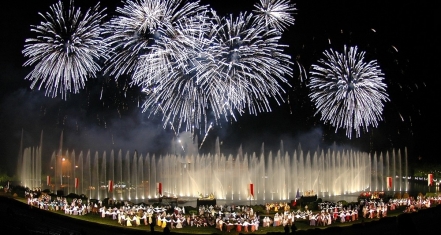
(251, 191)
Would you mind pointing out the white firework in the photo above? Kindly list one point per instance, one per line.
(157, 43)
(234, 68)
(148, 38)
(180, 95)
(275, 13)
(66, 50)
(180, 100)
(189, 61)
(248, 65)
(347, 91)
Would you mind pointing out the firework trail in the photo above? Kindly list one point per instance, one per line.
(348, 92)
(206, 134)
(177, 136)
(179, 100)
(66, 49)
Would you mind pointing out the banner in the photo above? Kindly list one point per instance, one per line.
(252, 189)
(298, 193)
(430, 179)
(389, 182)
(110, 186)
(294, 202)
(77, 182)
(159, 188)
(48, 180)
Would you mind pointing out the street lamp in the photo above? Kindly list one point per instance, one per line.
(75, 178)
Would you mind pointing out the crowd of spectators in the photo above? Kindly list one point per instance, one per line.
(230, 217)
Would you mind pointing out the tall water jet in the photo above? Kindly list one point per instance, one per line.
(29, 166)
(79, 167)
(406, 166)
(111, 172)
(30, 175)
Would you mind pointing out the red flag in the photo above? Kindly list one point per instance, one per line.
(159, 188)
(48, 180)
(110, 186)
(252, 189)
(389, 182)
(430, 179)
(77, 182)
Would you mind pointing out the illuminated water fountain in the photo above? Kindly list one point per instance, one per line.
(29, 168)
(275, 176)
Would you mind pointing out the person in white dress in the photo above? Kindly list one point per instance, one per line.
(284, 222)
(179, 223)
(329, 217)
(149, 216)
(122, 219)
(267, 222)
(276, 220)
(144, 218)
(342, 217)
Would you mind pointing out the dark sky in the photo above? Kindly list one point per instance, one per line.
(116, 122)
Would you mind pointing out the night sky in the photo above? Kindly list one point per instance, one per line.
(115, 121)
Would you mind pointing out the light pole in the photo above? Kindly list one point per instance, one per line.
(75, 178)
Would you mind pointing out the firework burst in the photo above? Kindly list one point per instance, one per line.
(276, 14)
(180, 100)
(157, 43)
(149, 37)
(348, 92)
(237, 66)
(66, 50)
(248, 64)
(189, 61)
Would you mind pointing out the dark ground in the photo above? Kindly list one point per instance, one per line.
(17, 217)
